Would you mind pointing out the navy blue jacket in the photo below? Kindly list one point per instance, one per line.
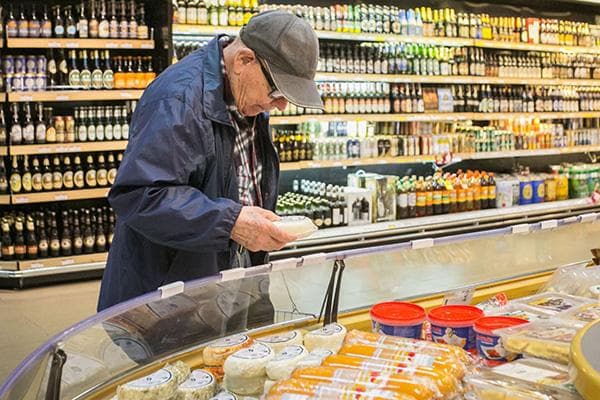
(176, 193)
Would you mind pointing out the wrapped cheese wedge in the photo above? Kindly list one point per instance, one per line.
(446, 384)
(320, 390)
(282, 365)
(330, 337)
(217, 352)
(418, 389)
(282, 340)
(200, 385)
(398, 343)
(410, 358)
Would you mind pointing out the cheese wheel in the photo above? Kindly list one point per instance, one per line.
(395, 342)
(160, 385)
(180, 370)
(224, 396)
(282, 340)
(329, 337)
(245, 386)
(282, 365)
(249, 362)
(419, 390)
(447, 385)
(217, 352)
(321, 390)
(200, 385)
(445, 365)
(315, 358)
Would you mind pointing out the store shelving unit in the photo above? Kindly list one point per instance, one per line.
(75, 95)
(62, 195)
(54, 148)
(4, 199)
(54, 43)
(3, 150)
(427, 116)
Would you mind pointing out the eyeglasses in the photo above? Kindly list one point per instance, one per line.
(274, 93)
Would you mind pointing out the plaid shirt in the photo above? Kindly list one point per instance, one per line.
(247, 165)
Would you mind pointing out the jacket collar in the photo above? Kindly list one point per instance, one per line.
(215, 108)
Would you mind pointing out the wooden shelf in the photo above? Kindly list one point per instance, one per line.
(207, 30)
(293, 120)
(64, 195)
(75, 95)
(61, 261)
(448, 80)
(3, 150)
(43, 43)
(4, 199)
(2, 97)
(294, 166)
(54, 148)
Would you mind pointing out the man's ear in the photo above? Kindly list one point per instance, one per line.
(243, 58)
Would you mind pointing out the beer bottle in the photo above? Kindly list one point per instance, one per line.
(32, 244)
(20, 247)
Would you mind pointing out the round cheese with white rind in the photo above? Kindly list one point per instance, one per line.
(296, 225)
(200, 385)
(224, 396)
(217, 352)
(284, 363)
(160, 385)
(249, 362)
(245, 386)
(315, 358)
(329, 337)
(282, 340)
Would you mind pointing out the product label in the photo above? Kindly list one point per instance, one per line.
(254, 352)
(412, 332)
(490, 348)
(328, 330)
(198, 379)
(461, 337)
(281, 338)
(533, 374)
(230, 341)
(290, 352)
(160, 377)
(552, 303)
(555, 333)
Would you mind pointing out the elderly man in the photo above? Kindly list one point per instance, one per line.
(198, 183)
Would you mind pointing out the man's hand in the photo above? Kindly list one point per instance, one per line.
(255, 231)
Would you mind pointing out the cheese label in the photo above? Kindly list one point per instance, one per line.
(322, 353)
(523, 314)
(282, 338)
(595, 290)
(533, 374)
(329, 330)
(589, 313)
(224, 396)
(553, 303)
(230, 341)
(254, 352)
(198, 379)
(556, 333)
(290, 352)
(160, 377)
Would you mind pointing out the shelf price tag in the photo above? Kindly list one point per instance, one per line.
(282, 265)
(111, 45)
(21, 200)
(590, 217)
(232, 274)
(72, 45)
(522, 228)
(126, 95)
(127, 45)
(550, 224)
(147, 46)
(36, 265)
(67, 261)
(53, 44)
(62, 97)
(422, 243)
(61, 197)
(171, 289)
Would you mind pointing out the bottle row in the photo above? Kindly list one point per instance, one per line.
(424, 21)
(49, 232)
(213, 12)
(115, 19)
(422, 59)
(98, 171)
(383, 98)
(89, 124)
(342, 141)
(370, 197)
(54, 72)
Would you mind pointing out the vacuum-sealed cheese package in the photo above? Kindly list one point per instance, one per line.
(399, 343)
(410, 358)
(539, 372)
(419, 389)
(548, 339)
(488, 386)
(585, 313)
(553, 302)
(518, 310)
(446, 384)
(319, 390)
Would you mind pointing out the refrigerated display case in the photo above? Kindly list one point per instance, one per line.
(132, 339)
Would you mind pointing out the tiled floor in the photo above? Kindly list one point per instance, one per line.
(30, 317)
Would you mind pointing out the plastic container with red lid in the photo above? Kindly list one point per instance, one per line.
(454, 325)
(489, 345)
(397, 318)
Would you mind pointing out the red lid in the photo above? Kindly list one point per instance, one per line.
(487, 325)
(398, 313)
(455, 316)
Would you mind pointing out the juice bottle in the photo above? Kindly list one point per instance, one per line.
(437, 196)
(476, 188)
(421, 198)
(428, 196)
(484, 191)
(412, 197)
(445, 195)
(491, 184)
(461, 194)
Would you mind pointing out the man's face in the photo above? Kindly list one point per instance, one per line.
(252, 90)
